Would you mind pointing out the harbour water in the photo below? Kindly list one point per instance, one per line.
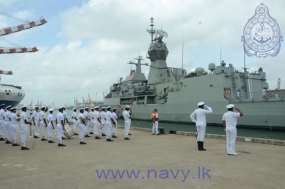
(253, 133)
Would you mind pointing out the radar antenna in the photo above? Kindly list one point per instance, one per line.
(159, 34)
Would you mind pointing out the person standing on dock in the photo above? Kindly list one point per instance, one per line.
(230, 123)
(108, 124)
(14, 125)
(91, 126)
(127, 119)
(24, 128)
(115, 124)
(60, 126)
(36, 121)
(103, 120)
(87, 121)
(7, 125)
(75, 121)
(97, 122)
(2, 122)
(201, 123)
(154, 118)
(50, 125)
(43, 123)
(82, 126)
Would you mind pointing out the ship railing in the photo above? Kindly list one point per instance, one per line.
(269, 95)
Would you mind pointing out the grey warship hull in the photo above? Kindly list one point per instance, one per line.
(175, 93)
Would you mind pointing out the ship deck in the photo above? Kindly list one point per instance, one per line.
(74, 166)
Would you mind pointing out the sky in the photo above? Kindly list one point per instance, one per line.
(85, 45)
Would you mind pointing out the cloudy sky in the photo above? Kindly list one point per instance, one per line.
(85, 46)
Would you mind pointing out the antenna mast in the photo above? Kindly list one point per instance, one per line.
(182, 50)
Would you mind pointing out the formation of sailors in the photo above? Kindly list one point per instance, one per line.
(97, 121)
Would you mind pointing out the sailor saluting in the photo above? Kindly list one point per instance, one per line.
(201, 122)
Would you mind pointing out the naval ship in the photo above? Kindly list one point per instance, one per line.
(175, 93)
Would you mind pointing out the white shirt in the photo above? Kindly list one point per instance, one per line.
(91, 116)
(42, 115)
(96, 116)
(64, 115)
(108, 116)
(85, 115)
(200, 116)
(80, 117)
(50, 118)
(13, 118)
(114, 116)
(59, 117)
(24, 117)
(36, 115)
(126, 115)
(103, 116)
(7, 115)
(74, 116)
(2, 114)
(231, 118)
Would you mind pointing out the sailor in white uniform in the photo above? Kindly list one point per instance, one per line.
(115, 124)
(2, 122)
(75, 121)
(36, 121)
(43, 123)
(60, 126)
(82, 126)
(97, 122)
(24, 128)
(103, 120)
(14, 126)
(87, 121)
(201, 122)
(127, 119)
(91, 126)
(7, 125)
(230, 123)
(108, 124)
(50, 120)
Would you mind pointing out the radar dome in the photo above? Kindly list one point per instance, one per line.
(211, 67)
(199, 70)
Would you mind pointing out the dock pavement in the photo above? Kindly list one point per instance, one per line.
(146, 161)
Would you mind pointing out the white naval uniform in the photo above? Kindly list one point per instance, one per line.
(50, 128)
(103, 120)
(7, 125)
(64, 116)
(114, 129)
(2, 123)
(36, 116)
(96, 123)
(231, 131)
(14, 127)
(59, 118)
(24, 128)
(86, 119)
(42, 123)
(108, 124)
(155, 125)
(81, 126)
(75, 122)
(200, 121)
(127, 119)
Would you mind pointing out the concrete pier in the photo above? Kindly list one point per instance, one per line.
(164, 161)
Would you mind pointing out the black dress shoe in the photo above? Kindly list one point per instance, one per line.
(91, 133)
(15, 144)
(36, 136)
(114, 136)
(83, 143)
(43, 139)
(75, 133)
(24, 148)
(126, 138)
(109, 140)
(130, 134)
(61, 145)
(2, 139)
(103, 135)
(87, 136)
(50, 141)
(8, 142)
(63, 138)
(97, 137)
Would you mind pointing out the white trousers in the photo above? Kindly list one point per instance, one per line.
(7, 129)
(103, 129)
(59, 133)
(91, 126)
(14, 127)
(231, 133)
(24, 130)
(50, 131)
(155, 127)
(75, 125)
(114, 129)
(82, 129)
(36, 127)
(43, 129)
(108, 128)
(201, 129)
(96, 128)
(86, 129)
(2, 128)
(127, 127)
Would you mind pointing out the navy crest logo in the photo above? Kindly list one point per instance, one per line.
(261, 34)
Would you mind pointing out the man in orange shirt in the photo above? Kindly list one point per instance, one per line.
(154, 117)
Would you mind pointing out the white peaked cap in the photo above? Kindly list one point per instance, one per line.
(96, 107)
(81, 109)
(200, 103)
(51, 109)
(230, 106)
(74, 109)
